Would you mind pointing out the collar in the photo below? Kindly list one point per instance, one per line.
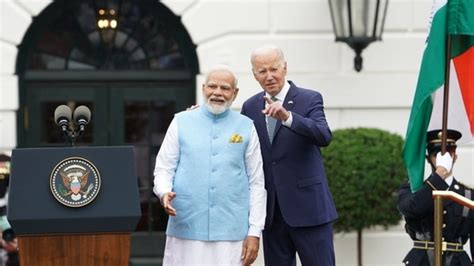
(282, 94)
(207, 113)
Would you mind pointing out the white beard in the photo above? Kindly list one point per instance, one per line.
(217, 108)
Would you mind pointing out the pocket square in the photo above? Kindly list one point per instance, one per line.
(235, 138)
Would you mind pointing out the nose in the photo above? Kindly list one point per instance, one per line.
(217, 91)
(269, 77)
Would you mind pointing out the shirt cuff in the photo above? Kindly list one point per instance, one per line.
(254, 231)
(160, 193)
(288, 121)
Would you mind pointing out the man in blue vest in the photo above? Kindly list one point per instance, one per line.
(209, 177)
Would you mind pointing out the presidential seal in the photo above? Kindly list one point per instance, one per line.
(75, 182)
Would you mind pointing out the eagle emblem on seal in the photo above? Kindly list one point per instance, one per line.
(75, 182)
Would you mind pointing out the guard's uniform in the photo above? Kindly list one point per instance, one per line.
(458, 223)
(12, 257)
(418, 210)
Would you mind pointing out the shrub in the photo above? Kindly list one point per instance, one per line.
(364, 167)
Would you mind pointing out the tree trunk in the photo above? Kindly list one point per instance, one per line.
(359, 247)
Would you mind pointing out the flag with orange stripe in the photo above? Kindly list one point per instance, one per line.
(454, 17)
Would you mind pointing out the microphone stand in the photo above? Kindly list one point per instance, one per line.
(70, 137)
(73, 138)
(72, 134)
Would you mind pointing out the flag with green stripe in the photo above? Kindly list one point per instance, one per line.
(454, 17)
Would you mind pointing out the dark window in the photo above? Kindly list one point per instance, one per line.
(107, 35)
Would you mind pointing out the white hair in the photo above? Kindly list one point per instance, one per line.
(265, 49)
(221, 67)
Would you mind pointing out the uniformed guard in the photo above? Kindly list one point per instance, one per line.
(418, 208)
(4, 179)
(8, 241)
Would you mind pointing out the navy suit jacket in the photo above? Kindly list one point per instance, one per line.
(293, 165)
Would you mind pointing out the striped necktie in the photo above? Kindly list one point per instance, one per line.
(271, 124)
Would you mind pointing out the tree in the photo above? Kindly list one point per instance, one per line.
(364, 167)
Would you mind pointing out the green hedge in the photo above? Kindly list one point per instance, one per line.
(365, 169)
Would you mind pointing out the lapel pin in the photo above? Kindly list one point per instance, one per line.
(290, 102)
(456, 186)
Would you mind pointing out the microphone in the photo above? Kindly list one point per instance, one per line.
(62, 116)
(82, 116)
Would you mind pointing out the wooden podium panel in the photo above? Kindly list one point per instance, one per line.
(71, 250)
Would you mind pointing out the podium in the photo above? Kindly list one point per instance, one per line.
(73, 206)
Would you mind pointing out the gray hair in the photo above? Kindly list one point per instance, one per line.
(265, 49)
(225, 68)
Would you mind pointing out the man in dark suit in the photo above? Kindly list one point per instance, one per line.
(292, 127)
(418, 208)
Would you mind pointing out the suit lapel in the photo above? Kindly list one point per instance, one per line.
(288, 104)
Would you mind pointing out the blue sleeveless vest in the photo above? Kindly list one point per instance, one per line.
(211, 181)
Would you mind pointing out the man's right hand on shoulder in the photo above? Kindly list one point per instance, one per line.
(194, 106)
(166, 201)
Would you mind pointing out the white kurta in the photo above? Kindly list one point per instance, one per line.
(183, 252)
(194, 252)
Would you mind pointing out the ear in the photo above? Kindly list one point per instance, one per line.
(236, 91)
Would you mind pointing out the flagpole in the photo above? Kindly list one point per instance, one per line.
(447, 73)
(438, 217)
